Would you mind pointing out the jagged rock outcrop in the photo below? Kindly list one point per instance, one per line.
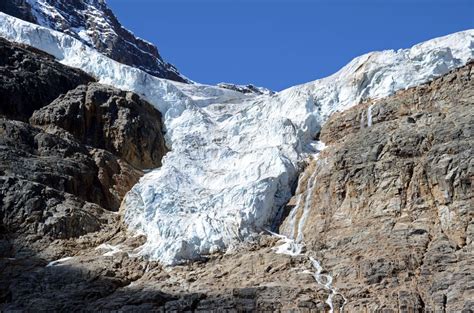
(391, 211)
(59, 191)
(31, 79)
(29, 154)
(49, 193)
(248, 89)
(107, 118)
(92, 22)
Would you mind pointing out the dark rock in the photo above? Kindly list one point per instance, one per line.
(29, 154)
(31, 79)
(247, 89)
(57, 191)
(34, 209)
(107, 118)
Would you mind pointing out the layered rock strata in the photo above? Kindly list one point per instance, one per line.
(391, 213)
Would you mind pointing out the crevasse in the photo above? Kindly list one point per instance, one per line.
(234, 157)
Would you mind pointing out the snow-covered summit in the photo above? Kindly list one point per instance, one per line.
(93, 23)
(234, 157)
(381, 73)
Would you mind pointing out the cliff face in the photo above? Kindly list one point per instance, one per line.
(59, 191)
(107, 118)
(31, 79)
(391, 210)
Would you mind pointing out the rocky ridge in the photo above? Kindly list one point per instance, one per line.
(92, 22)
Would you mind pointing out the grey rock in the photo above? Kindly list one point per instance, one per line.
(31, 79)
(107, 118)
(393, 203)
(247, 89)
(59, 191)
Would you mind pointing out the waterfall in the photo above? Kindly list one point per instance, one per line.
(369, 115)
(295, 247)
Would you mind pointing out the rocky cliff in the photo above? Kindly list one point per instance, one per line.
(31, 79)
(110, 119)
(60, 191)
(390, 211)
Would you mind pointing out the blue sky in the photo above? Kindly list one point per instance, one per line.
(281, 43)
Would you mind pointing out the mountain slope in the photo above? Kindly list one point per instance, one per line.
(93, 23)
(235, 157)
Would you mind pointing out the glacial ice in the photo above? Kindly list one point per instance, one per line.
(235, 157)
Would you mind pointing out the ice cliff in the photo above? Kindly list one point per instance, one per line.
(234, 158)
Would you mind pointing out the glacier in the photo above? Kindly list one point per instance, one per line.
(235, 157)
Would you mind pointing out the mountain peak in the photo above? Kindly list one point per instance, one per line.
(93, 23)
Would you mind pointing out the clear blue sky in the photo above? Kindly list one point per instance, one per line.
(280, 43)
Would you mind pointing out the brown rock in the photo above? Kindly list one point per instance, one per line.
(110, 119)
(393, 203)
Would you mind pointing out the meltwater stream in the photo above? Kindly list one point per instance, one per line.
(295, 247)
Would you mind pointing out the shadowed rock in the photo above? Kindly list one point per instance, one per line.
(107, 118)
(31, 79)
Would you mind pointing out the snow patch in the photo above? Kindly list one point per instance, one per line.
(59, 262)
(110, 249)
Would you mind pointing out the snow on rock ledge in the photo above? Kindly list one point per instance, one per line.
(234, 156)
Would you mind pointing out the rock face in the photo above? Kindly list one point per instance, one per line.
(92, 22)
(49, 160)
(32, 79)
(110, 119)
(59, 191)
(391, 211)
